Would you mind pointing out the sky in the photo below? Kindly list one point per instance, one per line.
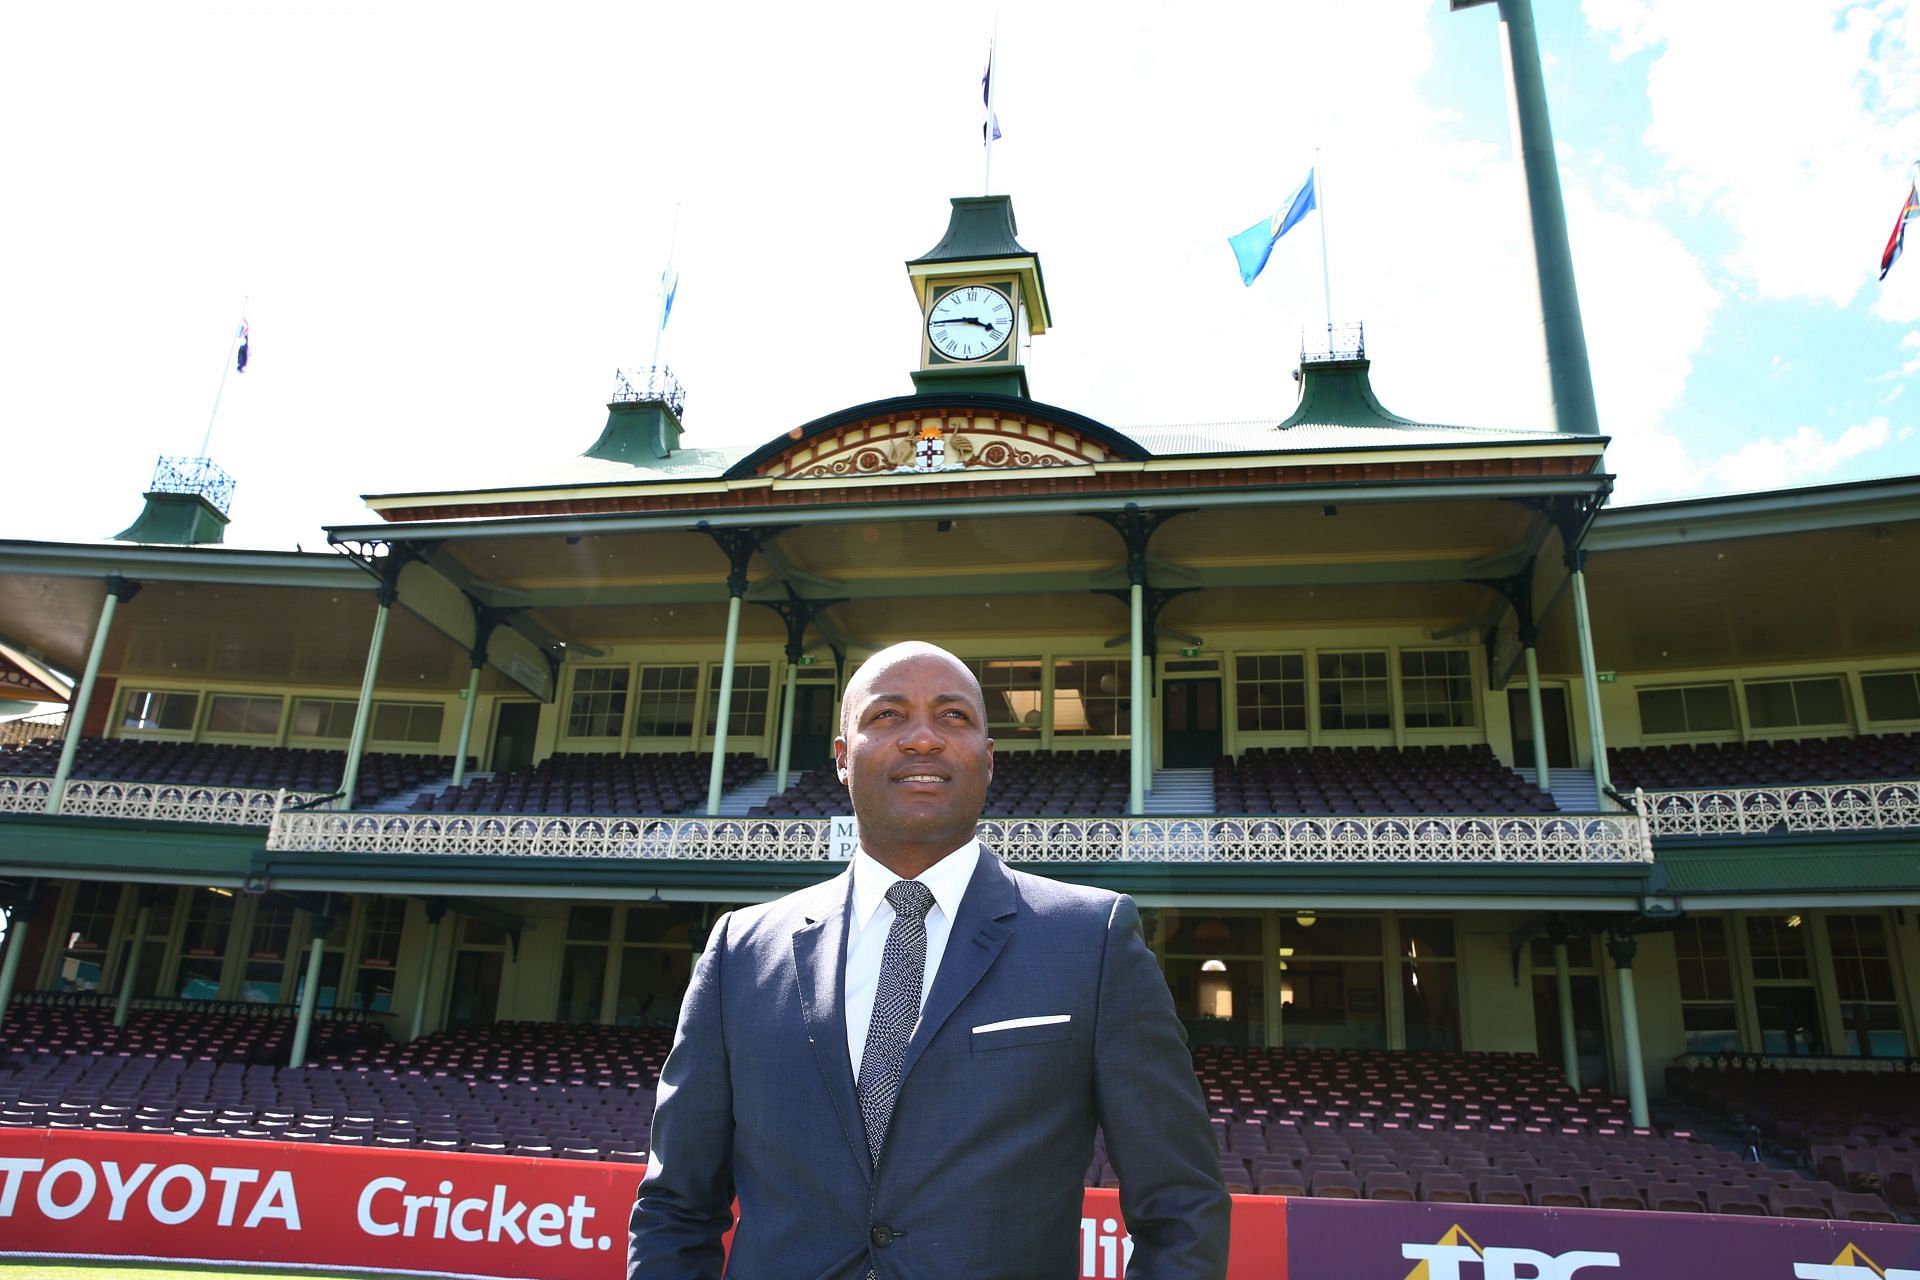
(446, 226)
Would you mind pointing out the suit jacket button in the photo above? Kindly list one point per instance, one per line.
(882, 1236)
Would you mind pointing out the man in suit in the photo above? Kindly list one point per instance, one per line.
(898, 1072)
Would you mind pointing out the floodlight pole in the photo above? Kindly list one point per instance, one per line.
(1569, 376)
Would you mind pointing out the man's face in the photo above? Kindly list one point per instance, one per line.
(915, 755)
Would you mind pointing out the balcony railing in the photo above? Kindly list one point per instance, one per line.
(155, 801)
(1796, 807)
(1521, 839)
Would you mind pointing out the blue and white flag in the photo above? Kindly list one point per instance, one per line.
(990, 127)
(669, 285)
(1253, 246)
(240, 364)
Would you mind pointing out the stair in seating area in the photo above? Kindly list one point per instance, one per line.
(401, 801)
(1181, 791)
(1574, 790)
(740, 800)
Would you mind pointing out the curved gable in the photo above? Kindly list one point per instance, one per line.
(962, 431)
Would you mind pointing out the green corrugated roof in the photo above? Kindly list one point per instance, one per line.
(1842, 865)
(981, 227)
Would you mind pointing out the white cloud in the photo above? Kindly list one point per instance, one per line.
(1804, 457)
(1792, 120)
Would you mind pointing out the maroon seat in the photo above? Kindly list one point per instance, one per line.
(1387, 1185)
(1861, 1206)
(1499, 1188)
(1724, 1198)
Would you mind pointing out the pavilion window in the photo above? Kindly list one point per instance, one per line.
(89, 930)
(664, 708)
(599, 702)
(251, 714)
(752, 695)
(1353, 691)
(1332, 993)
(1792, 704)
(203, 950)
(1270, 692)
(1092, 697)
(160, 709)
(583, 965)
(1429, 983)
(1706, 984)
(410, 722)
(1217, 974)
(1863, 973)
(1436, 688)
(1695, 708)
(1891, 695)
(267, 948)
(374, 976)
(327, 718)
(656, 962)
(1783, 990)
(1014, 693)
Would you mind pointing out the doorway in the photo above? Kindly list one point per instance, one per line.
(514, 728)
(1589, 1026)
(1553, 720)
(473, 996)
(1191, 736)
(813, 726)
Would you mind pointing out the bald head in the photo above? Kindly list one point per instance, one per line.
(871, 675)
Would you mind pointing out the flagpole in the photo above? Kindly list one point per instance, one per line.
(993, 90)
(225, 367)
(1326, 277)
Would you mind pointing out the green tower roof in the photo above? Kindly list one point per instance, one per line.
(1338, 393)
(981, 227)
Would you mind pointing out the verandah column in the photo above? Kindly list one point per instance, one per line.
(1589, 672)
(322, 925)
(1136, 727)
(716, 776)
(363, 714)
(1563, 996)
(466, 726)
(1622, 948)
(786, 723)
(119, 591)
(436, 911)
(1538, 719)
(142, 921)
(19, 915)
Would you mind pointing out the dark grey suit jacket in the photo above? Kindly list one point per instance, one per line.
(989, 1143)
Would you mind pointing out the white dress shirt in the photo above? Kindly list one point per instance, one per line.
(872, 920)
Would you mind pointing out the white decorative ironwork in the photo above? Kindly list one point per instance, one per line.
(1810, 807)
(157, 801)
(650, 382)
(1528, 839)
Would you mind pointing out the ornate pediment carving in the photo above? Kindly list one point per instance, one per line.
(934, 443)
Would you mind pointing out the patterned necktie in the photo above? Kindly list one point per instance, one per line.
(896, 1008)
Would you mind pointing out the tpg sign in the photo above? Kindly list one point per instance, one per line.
(1465, 1262)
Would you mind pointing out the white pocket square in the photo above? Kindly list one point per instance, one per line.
(1042, 1020)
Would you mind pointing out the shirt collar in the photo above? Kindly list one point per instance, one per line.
(947, 879)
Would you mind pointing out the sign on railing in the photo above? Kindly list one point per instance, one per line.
(156, 801)
(1528, 838)
(1843, 806)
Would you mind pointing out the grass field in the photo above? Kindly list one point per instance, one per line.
(154, 1271)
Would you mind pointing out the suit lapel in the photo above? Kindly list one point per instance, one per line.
(980, 931)
(820, 965)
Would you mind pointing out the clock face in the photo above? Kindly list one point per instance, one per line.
(971, 322)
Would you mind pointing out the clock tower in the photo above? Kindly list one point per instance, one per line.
(981, 297)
